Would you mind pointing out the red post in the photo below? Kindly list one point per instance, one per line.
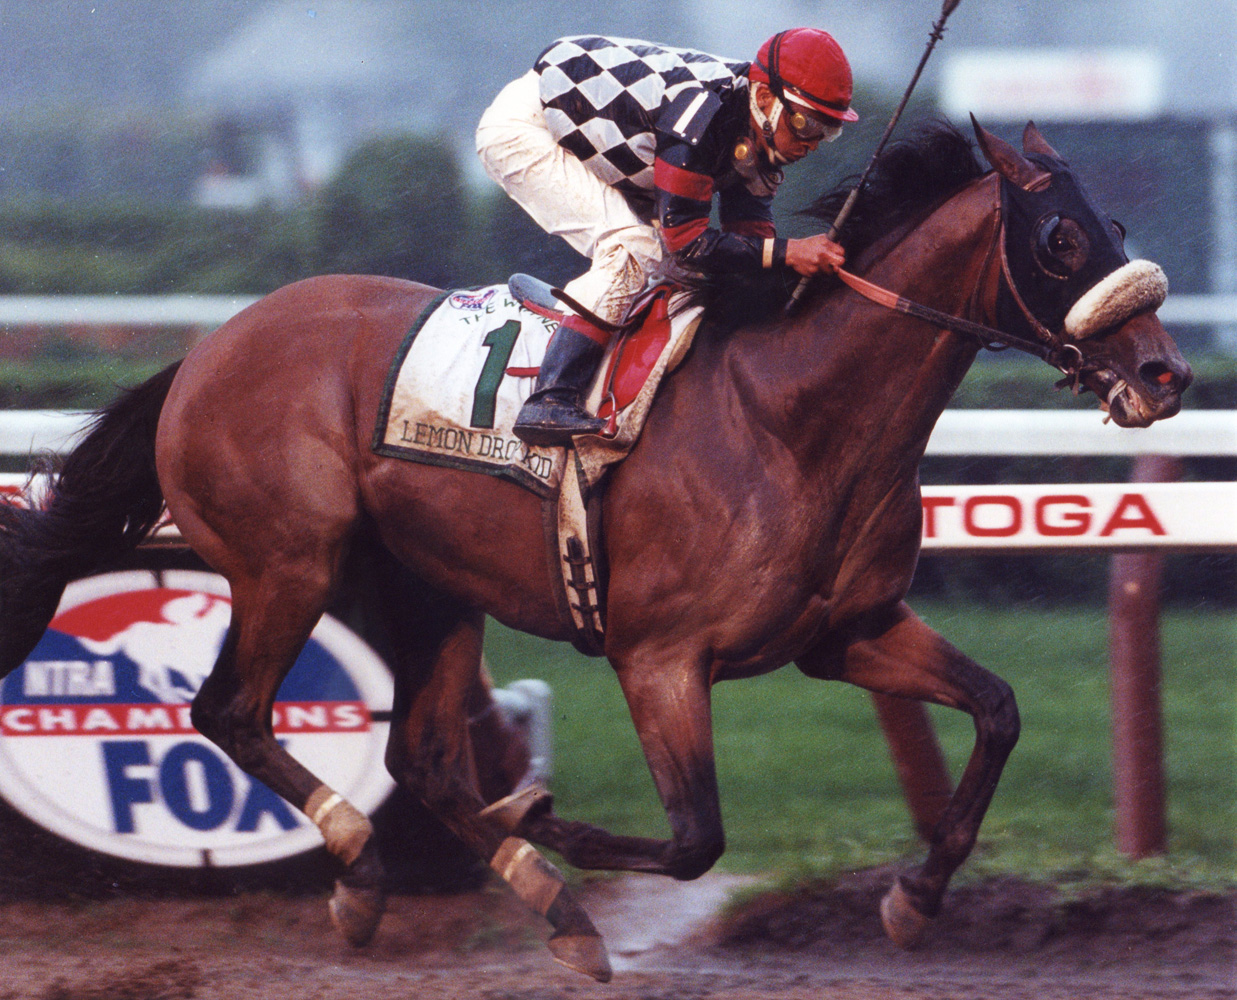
(1134, 671)
(917, 758)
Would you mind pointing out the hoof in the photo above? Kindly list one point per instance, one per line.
(582, 953)
(356, 912)
(904, 924)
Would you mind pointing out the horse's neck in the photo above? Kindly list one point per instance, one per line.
(846, 370)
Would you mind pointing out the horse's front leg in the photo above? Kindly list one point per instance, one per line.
(670, 707)
(909, 660)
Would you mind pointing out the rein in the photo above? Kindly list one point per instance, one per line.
(986, 335)
(1052, 351)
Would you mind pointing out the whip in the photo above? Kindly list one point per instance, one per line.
(938, 29)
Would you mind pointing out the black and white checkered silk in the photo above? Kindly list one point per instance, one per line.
(603, 96)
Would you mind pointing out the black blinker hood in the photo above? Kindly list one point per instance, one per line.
(1048, 296)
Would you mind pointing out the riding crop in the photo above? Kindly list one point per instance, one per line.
(938, 30)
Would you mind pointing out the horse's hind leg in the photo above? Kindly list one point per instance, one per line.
(909, 660)
(430, 753)
(273, 614)
(668, 695)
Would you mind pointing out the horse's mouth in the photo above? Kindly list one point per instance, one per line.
(1124, 354)
(1132, 404)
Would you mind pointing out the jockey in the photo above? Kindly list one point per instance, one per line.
(619, 147)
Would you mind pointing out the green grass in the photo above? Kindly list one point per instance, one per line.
(807, 786)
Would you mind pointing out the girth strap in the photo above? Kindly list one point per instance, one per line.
(985, 334)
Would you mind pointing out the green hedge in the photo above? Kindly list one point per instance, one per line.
(399, 207)
(1009, 381)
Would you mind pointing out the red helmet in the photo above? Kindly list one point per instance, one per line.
(807, 66)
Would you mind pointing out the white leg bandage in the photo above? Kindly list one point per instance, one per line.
(344, 828)
(534, 879)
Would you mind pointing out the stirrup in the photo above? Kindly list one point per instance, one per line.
(546, 423)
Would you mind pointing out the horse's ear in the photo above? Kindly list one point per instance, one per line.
(1008, 162)
(1034, 142)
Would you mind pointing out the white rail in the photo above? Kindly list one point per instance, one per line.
(1110, 516)
(121, 310)
(1179, 517)
(1199, 310)
(1081, 432)
(24, 432)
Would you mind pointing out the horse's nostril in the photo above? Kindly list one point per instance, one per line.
(1158, 373)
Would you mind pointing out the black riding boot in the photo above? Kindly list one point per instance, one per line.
(555, 413)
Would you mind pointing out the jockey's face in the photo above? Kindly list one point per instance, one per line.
(785, 146)
(791, 146)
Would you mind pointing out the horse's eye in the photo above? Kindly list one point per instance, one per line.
(1061, 246)
(1120, 229)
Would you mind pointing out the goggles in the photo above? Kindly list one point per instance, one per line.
(809, 128)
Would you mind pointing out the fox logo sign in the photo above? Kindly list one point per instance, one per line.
(96, 742)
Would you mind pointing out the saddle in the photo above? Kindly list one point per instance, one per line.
(642, 336)
(463, 372)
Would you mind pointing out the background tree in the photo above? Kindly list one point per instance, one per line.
(397, 207)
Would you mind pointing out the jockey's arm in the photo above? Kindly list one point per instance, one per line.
(684, 197)
(746, 239)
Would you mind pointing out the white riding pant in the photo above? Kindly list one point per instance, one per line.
(567, 199)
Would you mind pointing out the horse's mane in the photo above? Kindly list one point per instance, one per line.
(908, 178)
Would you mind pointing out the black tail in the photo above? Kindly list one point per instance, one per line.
(104, 500)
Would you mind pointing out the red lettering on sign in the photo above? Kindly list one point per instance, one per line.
(1001, 531)
(929, 513)
(111, 719)
(1069, 522)
(1144, 518)
(139, 719)
(16, 721)
(57, 719)
(99, 718)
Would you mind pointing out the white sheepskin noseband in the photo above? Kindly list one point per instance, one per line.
(1135, 287)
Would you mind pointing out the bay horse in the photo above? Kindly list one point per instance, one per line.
(769, 514)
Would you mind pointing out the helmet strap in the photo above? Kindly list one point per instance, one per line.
(768, 126)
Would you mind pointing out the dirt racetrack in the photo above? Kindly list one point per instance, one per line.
(1002, 940)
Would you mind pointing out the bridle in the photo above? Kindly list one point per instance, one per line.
(1051, 348)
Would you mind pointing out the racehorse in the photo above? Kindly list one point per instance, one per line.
(769, 513)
